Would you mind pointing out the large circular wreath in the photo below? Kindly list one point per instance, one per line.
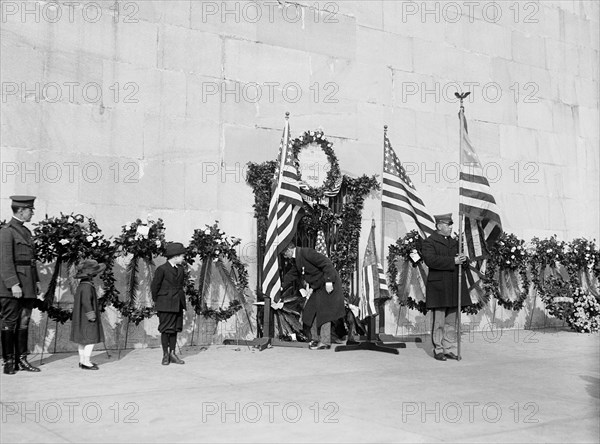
(507, 255)
(334, 176)
(404, 248)
(66, 240)
(212, 245)
(143, 240)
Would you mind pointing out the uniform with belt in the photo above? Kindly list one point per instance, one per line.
(19, 285)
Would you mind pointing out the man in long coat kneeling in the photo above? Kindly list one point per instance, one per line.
(326, 297)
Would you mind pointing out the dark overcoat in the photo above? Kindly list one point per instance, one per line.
(442, 280)
(17, 260)
(167, 288)
(316, 269)
(85, 307)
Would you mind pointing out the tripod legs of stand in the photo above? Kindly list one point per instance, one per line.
(372, 343)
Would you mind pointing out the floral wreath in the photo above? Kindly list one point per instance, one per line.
(585, 314)
(405, 247)
(510, 255)
(212, 245)
(333, 181)
(143, 240)
(548, 252)
(66, 240)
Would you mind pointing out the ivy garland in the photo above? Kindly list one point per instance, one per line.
(212, 245)
(403, 248)
(508, 254)
(66, 240)
(143, 240)
(332, 182)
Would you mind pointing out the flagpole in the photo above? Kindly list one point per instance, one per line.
(385, 128)
(460, 222)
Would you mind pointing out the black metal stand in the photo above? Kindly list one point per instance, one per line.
(372, 342)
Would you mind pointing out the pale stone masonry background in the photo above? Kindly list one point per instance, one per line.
(178, 155)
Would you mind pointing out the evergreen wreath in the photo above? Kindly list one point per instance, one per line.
(211, 245)
(66, 240)
(403, 248)
(143, 240)
(509, 255)
(333, 181)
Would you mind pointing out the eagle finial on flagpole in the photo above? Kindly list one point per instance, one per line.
(385, 127)
(461, 97)
(287, 115)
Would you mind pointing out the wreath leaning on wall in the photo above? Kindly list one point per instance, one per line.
(212, 246)
(508, 257)
(143, 240)
(407, 249)
(65, 240)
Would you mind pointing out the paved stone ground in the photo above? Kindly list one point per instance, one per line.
(512, 386)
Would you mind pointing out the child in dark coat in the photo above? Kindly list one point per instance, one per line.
(169, 300)
(86, 328)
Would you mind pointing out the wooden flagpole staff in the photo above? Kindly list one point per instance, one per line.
(460, 225)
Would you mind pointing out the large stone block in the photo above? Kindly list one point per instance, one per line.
(240, 19)
(201, 187)
(369, 43)
(518, 143)
(191, 51)
(203, 98)
(260, 63)
(529, 50)
(535, 115)
(137, 43)
(132, 85)
(172, 93)
(588, 123)
(368, 15)
(22, 125)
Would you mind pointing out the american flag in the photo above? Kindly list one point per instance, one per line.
(284, 214)
(373, 279)
(482, 225)
(321, 245)
(400, 194)
(482, 216)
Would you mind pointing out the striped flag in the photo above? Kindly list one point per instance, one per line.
(482, 217)
(373, 279)
(482, 225)
(284, 214)
(400, 194)
(321, 245)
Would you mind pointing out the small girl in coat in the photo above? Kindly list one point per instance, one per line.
(86, 328)
(169, 300)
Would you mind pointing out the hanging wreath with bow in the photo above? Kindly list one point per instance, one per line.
(143, 241)
(65, 240)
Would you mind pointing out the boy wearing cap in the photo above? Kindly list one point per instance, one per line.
(169, 300)
(19, 285)
(440, 253)
(86, 328)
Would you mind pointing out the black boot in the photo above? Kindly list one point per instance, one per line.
(175, 359)
(165, 359)
(21, 362)
(8, 345)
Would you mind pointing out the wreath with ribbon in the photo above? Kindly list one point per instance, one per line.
(508, 258)
(407, 249)
(212, 246)
(546, 259)
(66, 240)
(142, 240)
(333, 181)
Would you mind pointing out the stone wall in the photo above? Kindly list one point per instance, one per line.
(122, 109)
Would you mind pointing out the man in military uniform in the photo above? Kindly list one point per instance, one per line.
(440, 253)
(19, 285)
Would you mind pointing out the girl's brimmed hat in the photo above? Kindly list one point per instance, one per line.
(89, 268)
(174, 249)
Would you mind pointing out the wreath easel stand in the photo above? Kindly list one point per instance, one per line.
(49, 300)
